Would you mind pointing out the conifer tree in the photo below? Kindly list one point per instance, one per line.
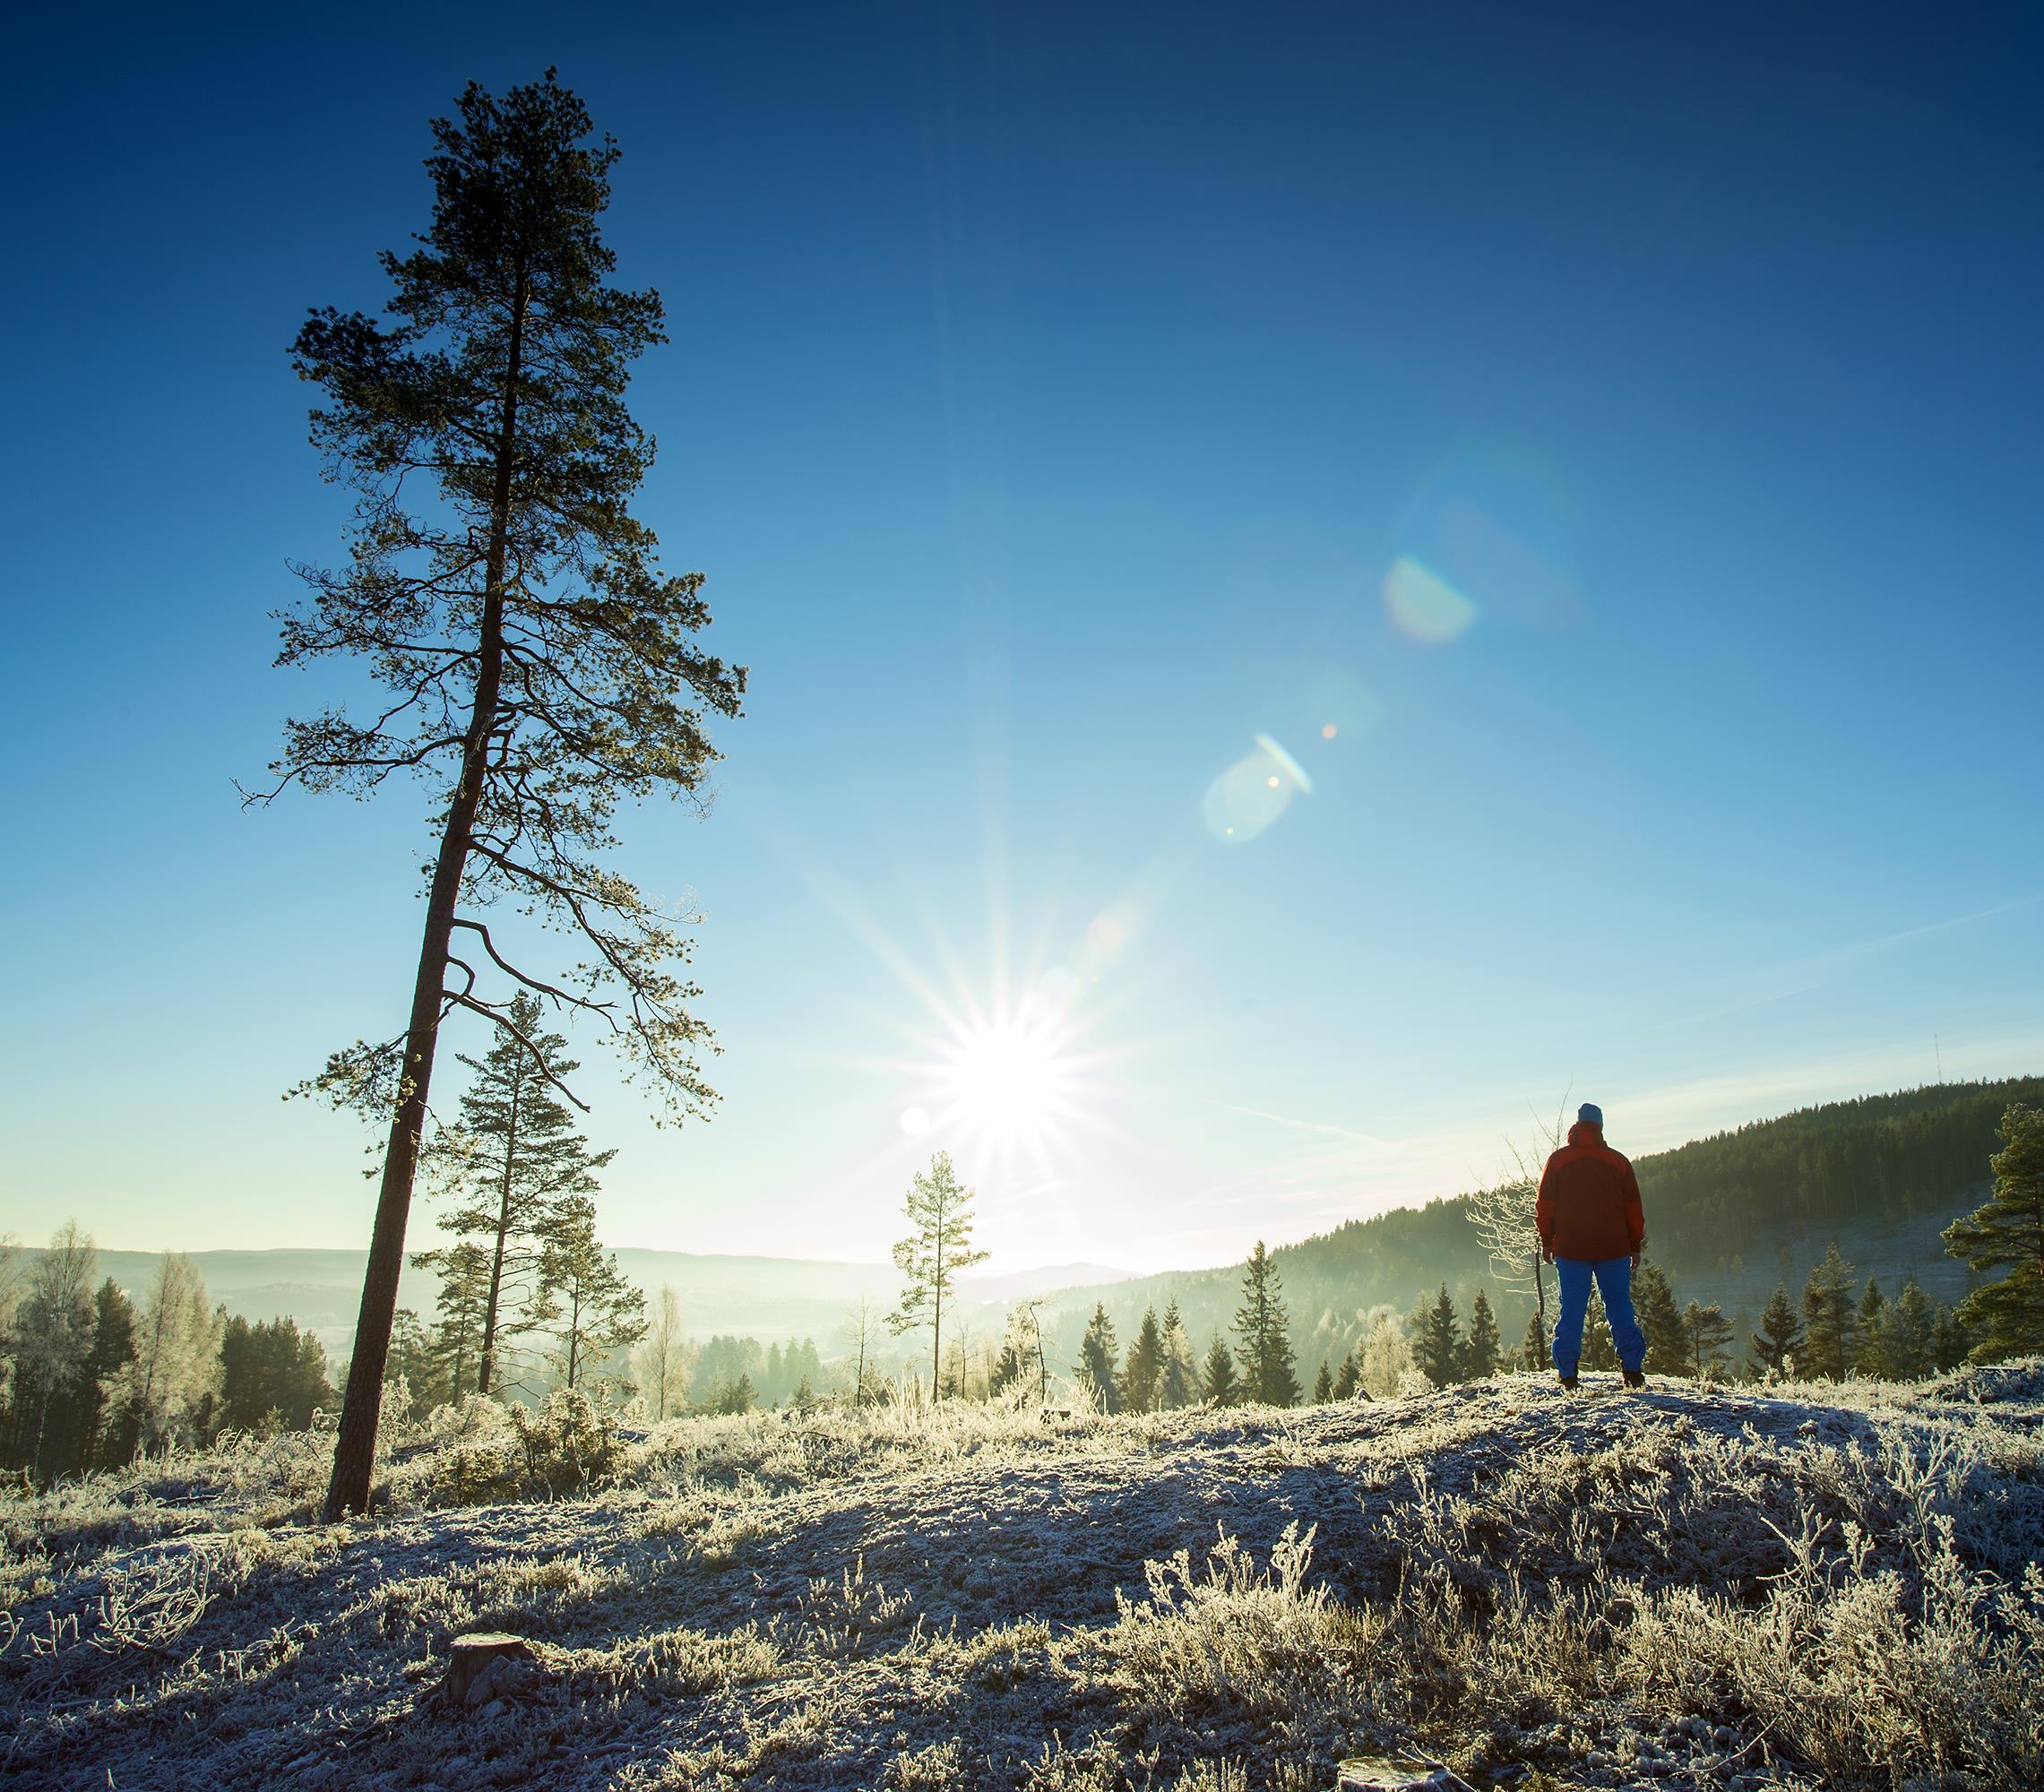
(1322, 1385)
(1096, 1365)
(1222, 1388)
(931, 1257)
(1265, 1326)
(462, 1308)
(1830, 1319)
(1872, 1356)
(1481, 1350)
(1955, 1338)
(541, 667)
(415, 1363)
(1598, 1352)
(1779, 1337)
(1180, 1383)
(1349, 1377)
(2006, 1232)
(509, 1162)
(1142, 1375)
(110, 1436)
(1706, 1333)
(598, 1310)
(1535, 1349)
(1909, 1334)
(1438, 1348)
(1661, 1321)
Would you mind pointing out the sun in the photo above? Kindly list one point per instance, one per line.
(1007, 1079)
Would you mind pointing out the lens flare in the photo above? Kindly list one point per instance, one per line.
(1254, 792)
(1424, 606)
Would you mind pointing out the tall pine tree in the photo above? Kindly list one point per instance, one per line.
(512, 1159)
(541, 668)
(939, 1245)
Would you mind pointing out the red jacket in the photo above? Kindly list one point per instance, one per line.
(1589, 1209)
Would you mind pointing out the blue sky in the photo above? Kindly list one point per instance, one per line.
(1618, 425)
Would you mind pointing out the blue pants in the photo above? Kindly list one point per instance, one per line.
(1615, 1283)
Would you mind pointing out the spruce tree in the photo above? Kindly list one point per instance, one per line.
(1955, 1338)
(1661, 1321)
(541, 667)
(1706, 1333)
(1142, 1375)
(2007, 1316)
(1830, 1319)
(1349, 1377)
(1872, 1359)
(1482, 1349)
(1438, 1350)
(1222, 1387)
(1180, 1384)
(1536, 1351)
(1779, 1337)
(939, 1245)
(1096, 1365)
(1264, 1327)
(109, 1437)
(1909, 1334)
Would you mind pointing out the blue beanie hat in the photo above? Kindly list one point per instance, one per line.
(1589, 1114)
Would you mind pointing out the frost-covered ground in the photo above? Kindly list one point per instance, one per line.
(1685, 1587)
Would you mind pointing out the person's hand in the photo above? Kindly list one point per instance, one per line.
(1547, 1256)
(1636, 1260)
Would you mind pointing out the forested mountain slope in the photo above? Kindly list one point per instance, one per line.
(1727, 1217)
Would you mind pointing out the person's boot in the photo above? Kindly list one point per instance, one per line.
(1635, 1378)
(1568, 1382)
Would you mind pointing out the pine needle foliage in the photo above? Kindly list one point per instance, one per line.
(2007, 1233)
(938, 1246)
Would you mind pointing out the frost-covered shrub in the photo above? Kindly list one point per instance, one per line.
(1229, 1638)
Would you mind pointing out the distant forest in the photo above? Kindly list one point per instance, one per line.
(1727, 1218)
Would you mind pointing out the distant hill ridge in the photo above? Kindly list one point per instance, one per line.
(1727, 1217)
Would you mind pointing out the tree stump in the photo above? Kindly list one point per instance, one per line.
(470, 1661)
(1375, 1774)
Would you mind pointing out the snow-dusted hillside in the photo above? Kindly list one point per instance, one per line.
(1687, 1588)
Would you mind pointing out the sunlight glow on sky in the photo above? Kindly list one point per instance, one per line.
(1314, 582)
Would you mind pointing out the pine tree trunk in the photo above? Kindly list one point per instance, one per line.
(487, 1361)
(354, 1442)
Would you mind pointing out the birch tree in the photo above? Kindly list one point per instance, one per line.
(162, 1390)
(538, 666)
(661, 1359)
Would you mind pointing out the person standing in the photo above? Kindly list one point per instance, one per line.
(1591, 1227)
